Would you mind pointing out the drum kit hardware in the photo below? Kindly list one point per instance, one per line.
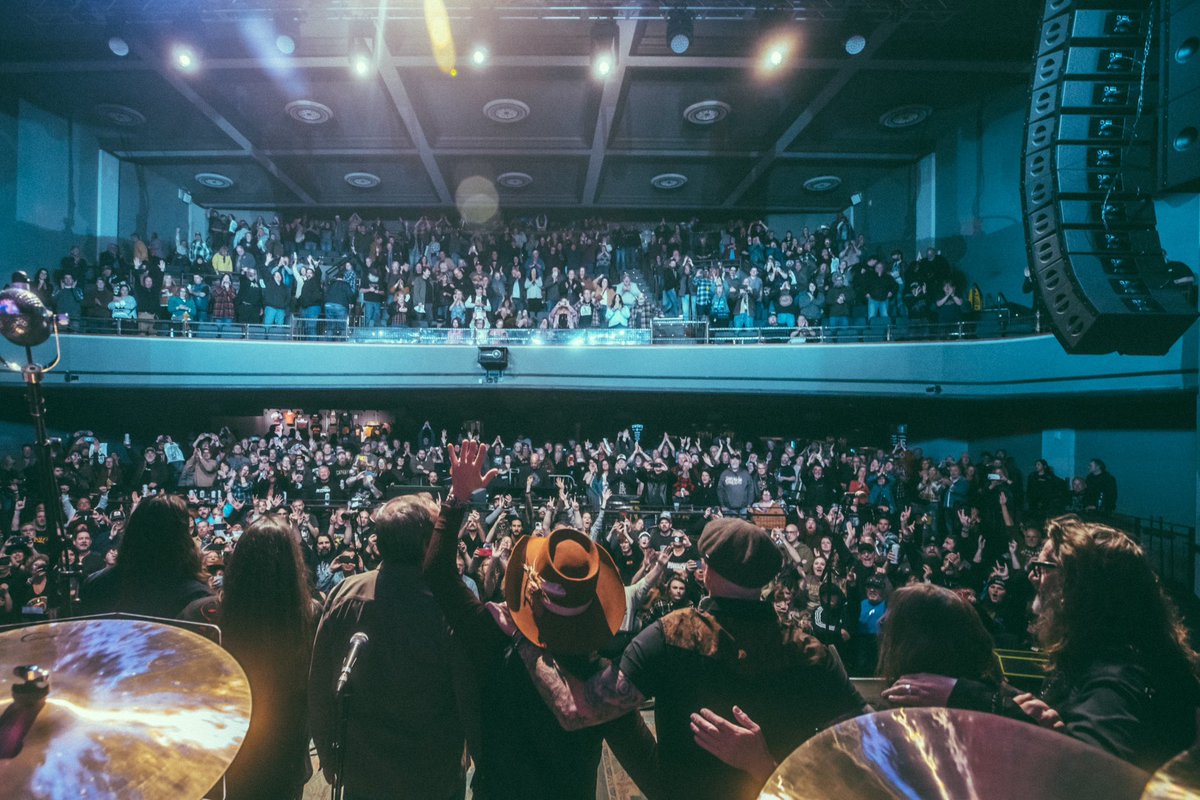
(117, 708)
(130, 708)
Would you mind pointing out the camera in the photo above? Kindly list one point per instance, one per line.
(994, 476)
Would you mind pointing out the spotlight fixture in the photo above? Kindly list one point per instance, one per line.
(118, 46)
(185, 58)
(855, 44)
(774, 56)
(361, 59)
(287, 30)
(679, 31)
(479, 55)
(604, 47)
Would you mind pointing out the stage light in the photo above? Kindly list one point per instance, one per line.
(775, 56)
(604, 47)
(360, 64)
(185, 58)
(479, 55)
(118, 46)
(679, 31)
(285, 44)
(855, 44)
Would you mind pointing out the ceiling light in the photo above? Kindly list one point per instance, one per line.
(479, 55)
(774, 57)
(361, 64)
(604, 47)
(679, 31)
(287, 31)
(118, 46)
(185, 58)
(855, 44)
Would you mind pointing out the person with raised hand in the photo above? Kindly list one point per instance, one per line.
(563, 595)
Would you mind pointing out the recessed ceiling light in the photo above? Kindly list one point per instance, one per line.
(823, 183)
(121, 115)
(214, 180)
(855, 44)
(679, 31)
(185, 58)
(310, 112)
(505, 110)
(514, 180)
(905, 116)
(668, 181)
(706, 112)
(362, 180)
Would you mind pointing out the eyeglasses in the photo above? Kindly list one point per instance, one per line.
(1038, 568)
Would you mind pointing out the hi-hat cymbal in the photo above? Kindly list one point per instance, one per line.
(1178, 779)
(946, 754)
(136, 710)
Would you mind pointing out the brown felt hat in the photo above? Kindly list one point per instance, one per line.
(564, 593)
(739, 552)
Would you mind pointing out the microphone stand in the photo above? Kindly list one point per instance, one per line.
(342, 698)
(33, 374)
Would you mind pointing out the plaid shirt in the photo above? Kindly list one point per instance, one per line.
(223, 302)
(639, 315)
(702, 285)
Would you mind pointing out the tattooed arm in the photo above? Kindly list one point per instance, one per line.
(608, 694)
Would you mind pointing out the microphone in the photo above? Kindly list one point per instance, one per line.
(357, 642)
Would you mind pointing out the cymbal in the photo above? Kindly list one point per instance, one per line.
(947, 754)
(1178, 779)
(135, 710)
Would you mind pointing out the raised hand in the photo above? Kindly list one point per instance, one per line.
(466, 464)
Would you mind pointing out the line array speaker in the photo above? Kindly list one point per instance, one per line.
(1088, 174)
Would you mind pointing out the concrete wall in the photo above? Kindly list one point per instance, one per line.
(48, 188)
(977, 223)
(149, 203)
(887, 216)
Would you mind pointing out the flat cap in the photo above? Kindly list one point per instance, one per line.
(740, 552)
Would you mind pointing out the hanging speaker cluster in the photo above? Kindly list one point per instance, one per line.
(1087, 181)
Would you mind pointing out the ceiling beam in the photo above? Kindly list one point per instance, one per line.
(537, 62)
(609, 99)
(509, 152)
(404, 107)
(828, 92)
(181, 85)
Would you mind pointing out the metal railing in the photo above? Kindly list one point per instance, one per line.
(674, 331)
(1170, 547)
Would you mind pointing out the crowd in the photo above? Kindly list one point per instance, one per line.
(617, 545)
(320, 275)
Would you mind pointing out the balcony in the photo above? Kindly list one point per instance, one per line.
(974, 362)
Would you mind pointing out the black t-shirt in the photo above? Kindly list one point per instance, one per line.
(737, 653)
(627, 565)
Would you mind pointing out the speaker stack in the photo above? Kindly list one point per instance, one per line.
(1179, 133)
(1088, 179)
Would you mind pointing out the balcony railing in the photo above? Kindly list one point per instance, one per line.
(674, 331)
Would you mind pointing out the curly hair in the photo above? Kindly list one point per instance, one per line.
(1108, 599)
